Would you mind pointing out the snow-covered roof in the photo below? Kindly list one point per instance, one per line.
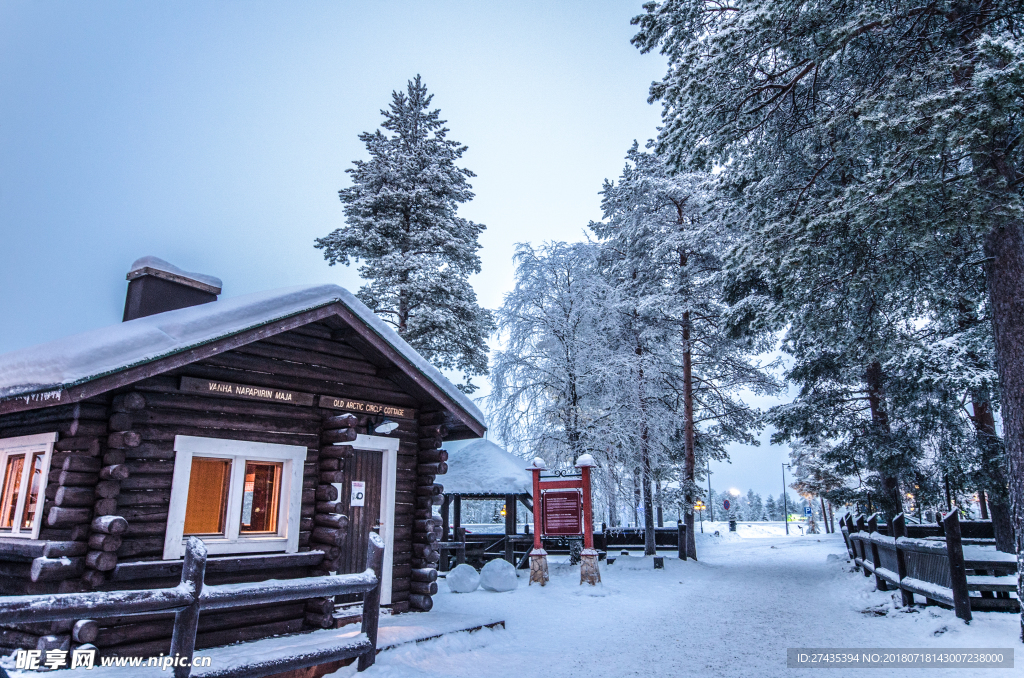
(481, 467)
(157, 266)
(74, 360)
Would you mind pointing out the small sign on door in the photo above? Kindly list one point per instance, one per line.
(358, 493)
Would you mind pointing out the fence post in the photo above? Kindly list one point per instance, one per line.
(371, 600)
(957, 568)
(186, 621)
(682, 540)
(876, 561)
(899, 530)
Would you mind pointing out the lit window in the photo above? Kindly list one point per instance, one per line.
(237, 496)
(260, 497)
(25, 463)
(207, 504)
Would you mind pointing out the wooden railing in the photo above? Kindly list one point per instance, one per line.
(190, 598)
(936, 570)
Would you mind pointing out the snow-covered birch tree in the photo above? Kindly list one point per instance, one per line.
(543, 376)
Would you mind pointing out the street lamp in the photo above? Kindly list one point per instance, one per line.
(785, 504)
(699, 507)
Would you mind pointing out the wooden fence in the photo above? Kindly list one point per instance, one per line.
(190, 598)
(935, 569)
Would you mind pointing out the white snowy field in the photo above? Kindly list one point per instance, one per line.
(733, 613)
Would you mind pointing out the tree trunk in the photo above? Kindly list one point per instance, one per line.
(637, 500)
(649, 545)
(994, 475)
(1004, 247)
(824, 514)
(613, 493)
(983, 505)
(891, 501)
(657, 500)
(689, 437)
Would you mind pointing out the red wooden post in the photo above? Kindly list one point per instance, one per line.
(538, 557)
(588, 516)
(589, 571)
(536, 507)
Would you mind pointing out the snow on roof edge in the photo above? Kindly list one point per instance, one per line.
(161, 329)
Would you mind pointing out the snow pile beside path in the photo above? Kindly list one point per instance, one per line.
(499, 575)
(463, 579)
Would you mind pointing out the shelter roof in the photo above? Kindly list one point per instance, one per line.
(482, 467)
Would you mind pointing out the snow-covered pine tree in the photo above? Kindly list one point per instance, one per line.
(417, 253)
(769, 508)
(859, 116)
(755, 507)
(661, 249)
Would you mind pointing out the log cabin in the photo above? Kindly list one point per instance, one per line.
(281, 427)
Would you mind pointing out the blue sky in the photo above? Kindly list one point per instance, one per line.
(216, 135)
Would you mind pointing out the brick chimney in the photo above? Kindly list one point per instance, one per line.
(155, 286)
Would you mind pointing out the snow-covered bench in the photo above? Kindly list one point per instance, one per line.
(936, 570)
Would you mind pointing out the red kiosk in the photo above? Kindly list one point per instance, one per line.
(560, 508)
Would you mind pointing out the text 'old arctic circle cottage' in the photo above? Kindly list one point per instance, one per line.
(279, 427)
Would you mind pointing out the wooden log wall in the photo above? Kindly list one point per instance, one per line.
(56, 563)
(430, 462)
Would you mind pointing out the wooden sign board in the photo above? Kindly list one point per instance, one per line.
(562, 513)
(245, 391)
(363, 407)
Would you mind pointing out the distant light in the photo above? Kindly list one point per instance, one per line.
(734, 492)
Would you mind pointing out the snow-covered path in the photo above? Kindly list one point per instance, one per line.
(733, 613)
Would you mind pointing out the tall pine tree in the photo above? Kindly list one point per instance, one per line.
(417, 252)
(831, 115)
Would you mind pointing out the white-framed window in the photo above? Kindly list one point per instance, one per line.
(24, 467)
(237, 496)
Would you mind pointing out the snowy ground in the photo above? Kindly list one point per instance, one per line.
(752, 595)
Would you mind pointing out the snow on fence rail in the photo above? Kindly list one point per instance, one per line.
(937, 570)
(190, 597)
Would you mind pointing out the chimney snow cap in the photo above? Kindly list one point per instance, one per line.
(161, 269)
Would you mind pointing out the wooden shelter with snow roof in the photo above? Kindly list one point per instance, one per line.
(484, 470)
(280, 427)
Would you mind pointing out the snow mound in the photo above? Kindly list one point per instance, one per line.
(463, 579)
(499, 575)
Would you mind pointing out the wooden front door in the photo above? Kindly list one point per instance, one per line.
(364, 466)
